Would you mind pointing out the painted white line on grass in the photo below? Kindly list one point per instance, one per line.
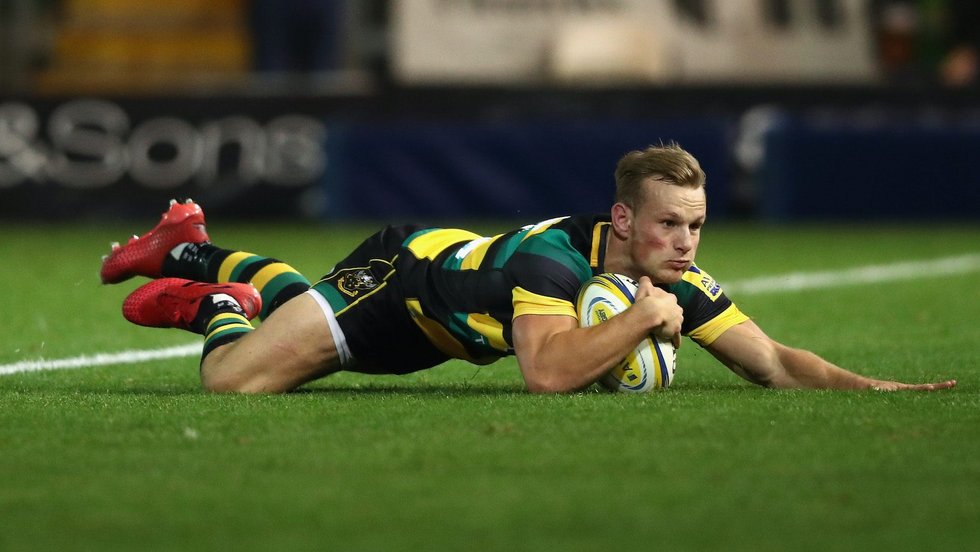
(794, 281)
(871, 274)
(101, 359)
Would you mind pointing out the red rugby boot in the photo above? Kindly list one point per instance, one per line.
(143, 255)
(176, 303)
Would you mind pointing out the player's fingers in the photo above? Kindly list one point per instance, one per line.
(676, 340)
(948, 384)
(895, 386)
(645, 287)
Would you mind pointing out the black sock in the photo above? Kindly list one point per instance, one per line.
(212, 306)
(194, 261)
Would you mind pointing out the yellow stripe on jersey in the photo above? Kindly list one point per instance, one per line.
(705, 283)
(228, 265)
(596, 240)
(489, 328)
(430, 244)
(711, 330)
(440, 336)
(526, 302)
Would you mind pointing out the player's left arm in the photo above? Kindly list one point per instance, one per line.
(555, 355)
(749, 352)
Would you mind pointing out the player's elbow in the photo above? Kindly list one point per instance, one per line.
(762, 368)
(549, 387)
(771, 371)
(545, 382)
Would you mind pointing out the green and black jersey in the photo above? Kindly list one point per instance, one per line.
(464, 290)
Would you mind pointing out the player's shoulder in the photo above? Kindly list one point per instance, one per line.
(582, 226)
(559, 245)
(575, 233)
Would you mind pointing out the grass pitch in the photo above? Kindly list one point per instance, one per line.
(459, 457)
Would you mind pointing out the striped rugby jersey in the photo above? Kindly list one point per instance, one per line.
(464, 290)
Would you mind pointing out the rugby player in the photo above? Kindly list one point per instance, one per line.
(409, 298)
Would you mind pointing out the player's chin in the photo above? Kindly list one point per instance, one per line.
(670, 275)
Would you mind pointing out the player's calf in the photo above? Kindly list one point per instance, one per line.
(275, 280)
(293, 346)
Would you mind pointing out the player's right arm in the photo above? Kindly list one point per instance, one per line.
(555, 355)
(749, 352)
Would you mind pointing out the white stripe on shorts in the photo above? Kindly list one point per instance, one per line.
(339, 340)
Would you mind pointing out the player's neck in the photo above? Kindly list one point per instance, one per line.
(617, 258)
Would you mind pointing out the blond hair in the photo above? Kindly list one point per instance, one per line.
(666, 163)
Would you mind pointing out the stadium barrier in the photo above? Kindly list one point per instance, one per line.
(97, 157)
(506, 169)
(279, 158)
(828, 166)
(93, 157)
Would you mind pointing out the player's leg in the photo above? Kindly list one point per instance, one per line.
(188, 295)
(303, 342)
(295, 345)
(353, 319)
(178, 246)
(275, 280)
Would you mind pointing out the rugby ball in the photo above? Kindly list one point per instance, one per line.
(652, 363)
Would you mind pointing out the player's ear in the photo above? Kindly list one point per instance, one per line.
(622, 219)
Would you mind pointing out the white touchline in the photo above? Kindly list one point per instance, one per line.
(101, 359)
(870, 274)
(794, 281)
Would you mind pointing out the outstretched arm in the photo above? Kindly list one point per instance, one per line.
(750, 353)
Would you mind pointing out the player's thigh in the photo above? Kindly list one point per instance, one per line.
(291, 347)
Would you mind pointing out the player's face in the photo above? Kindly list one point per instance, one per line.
(665, 230)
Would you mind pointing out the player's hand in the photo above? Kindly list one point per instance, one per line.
(879, 385)
(662, 308)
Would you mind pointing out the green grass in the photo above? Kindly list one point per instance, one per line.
(459, 457)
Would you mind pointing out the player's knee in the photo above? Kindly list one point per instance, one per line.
(217, 381)
(238, 385)
(217, 378)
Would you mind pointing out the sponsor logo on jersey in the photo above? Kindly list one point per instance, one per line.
(704, 282)
(711, 287)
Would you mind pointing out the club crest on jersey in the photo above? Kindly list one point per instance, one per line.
(356, 280)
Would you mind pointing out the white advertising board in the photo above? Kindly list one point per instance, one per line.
(544, 41)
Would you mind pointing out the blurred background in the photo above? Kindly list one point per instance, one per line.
(516, 109)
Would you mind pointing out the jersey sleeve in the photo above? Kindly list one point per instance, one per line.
(546, 273)
(708, 312)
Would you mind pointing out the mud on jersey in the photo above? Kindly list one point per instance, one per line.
(464, 290)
